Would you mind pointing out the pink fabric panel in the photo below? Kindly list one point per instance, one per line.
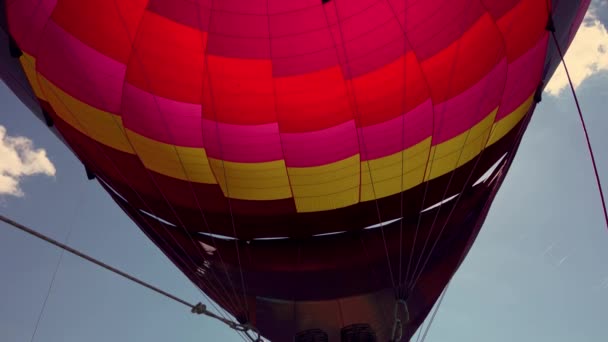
(397, 134)
(80, 70)
(320, 147)
(308, 19)
(243, 144)
(460, 113)
(282, 6)
(366, 21)
(162, 119)
(373, 40)
(244, 6)
(523, 77)
(377, 57)
(301, 44)
(349, 8)
(239, 25)
(27, 20)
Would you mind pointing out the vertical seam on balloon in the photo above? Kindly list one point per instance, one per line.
(133, 54)
(432, 161)
(511, 153)
(219, 138)
(148, 172)
(428, 86)
(205, 52)
(276, 107)
(447, 188)
(356, 116)
(478, 158)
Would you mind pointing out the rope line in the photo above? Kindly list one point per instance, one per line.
(57, 266)
(198, 308)
(582, 119)
(428, 326)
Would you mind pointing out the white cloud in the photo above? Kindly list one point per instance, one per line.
(587, 55)
(19, 158)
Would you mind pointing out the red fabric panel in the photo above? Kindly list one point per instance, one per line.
(313, 101)
(523, 27)
(107, 26)
(465, 62)
(390, 91)
(239, 91)
(168, 59)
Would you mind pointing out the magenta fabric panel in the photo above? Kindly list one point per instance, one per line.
(80, 70)
(320, 147)
(460, 113)
(397, 134)
(306, 20)
(498, 8)
(162, 119)
(522, 78)
(233, 24)
(434, 25)
(242, 143)
(27, 20)
(185, 12)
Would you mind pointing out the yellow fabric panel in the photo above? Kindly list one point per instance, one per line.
(326, 187)
(167, 159)
(459, 150)
(28, 63)
(252, 181)
(101, 126)
(386, 171)
(506, 124)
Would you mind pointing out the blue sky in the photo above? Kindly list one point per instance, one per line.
(538, 271)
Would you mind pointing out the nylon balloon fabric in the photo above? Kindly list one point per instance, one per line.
(287, 155)
(286, 109)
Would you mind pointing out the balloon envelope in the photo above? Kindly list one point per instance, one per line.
(307, 162)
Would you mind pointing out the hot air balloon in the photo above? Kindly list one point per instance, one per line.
(319, 168)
